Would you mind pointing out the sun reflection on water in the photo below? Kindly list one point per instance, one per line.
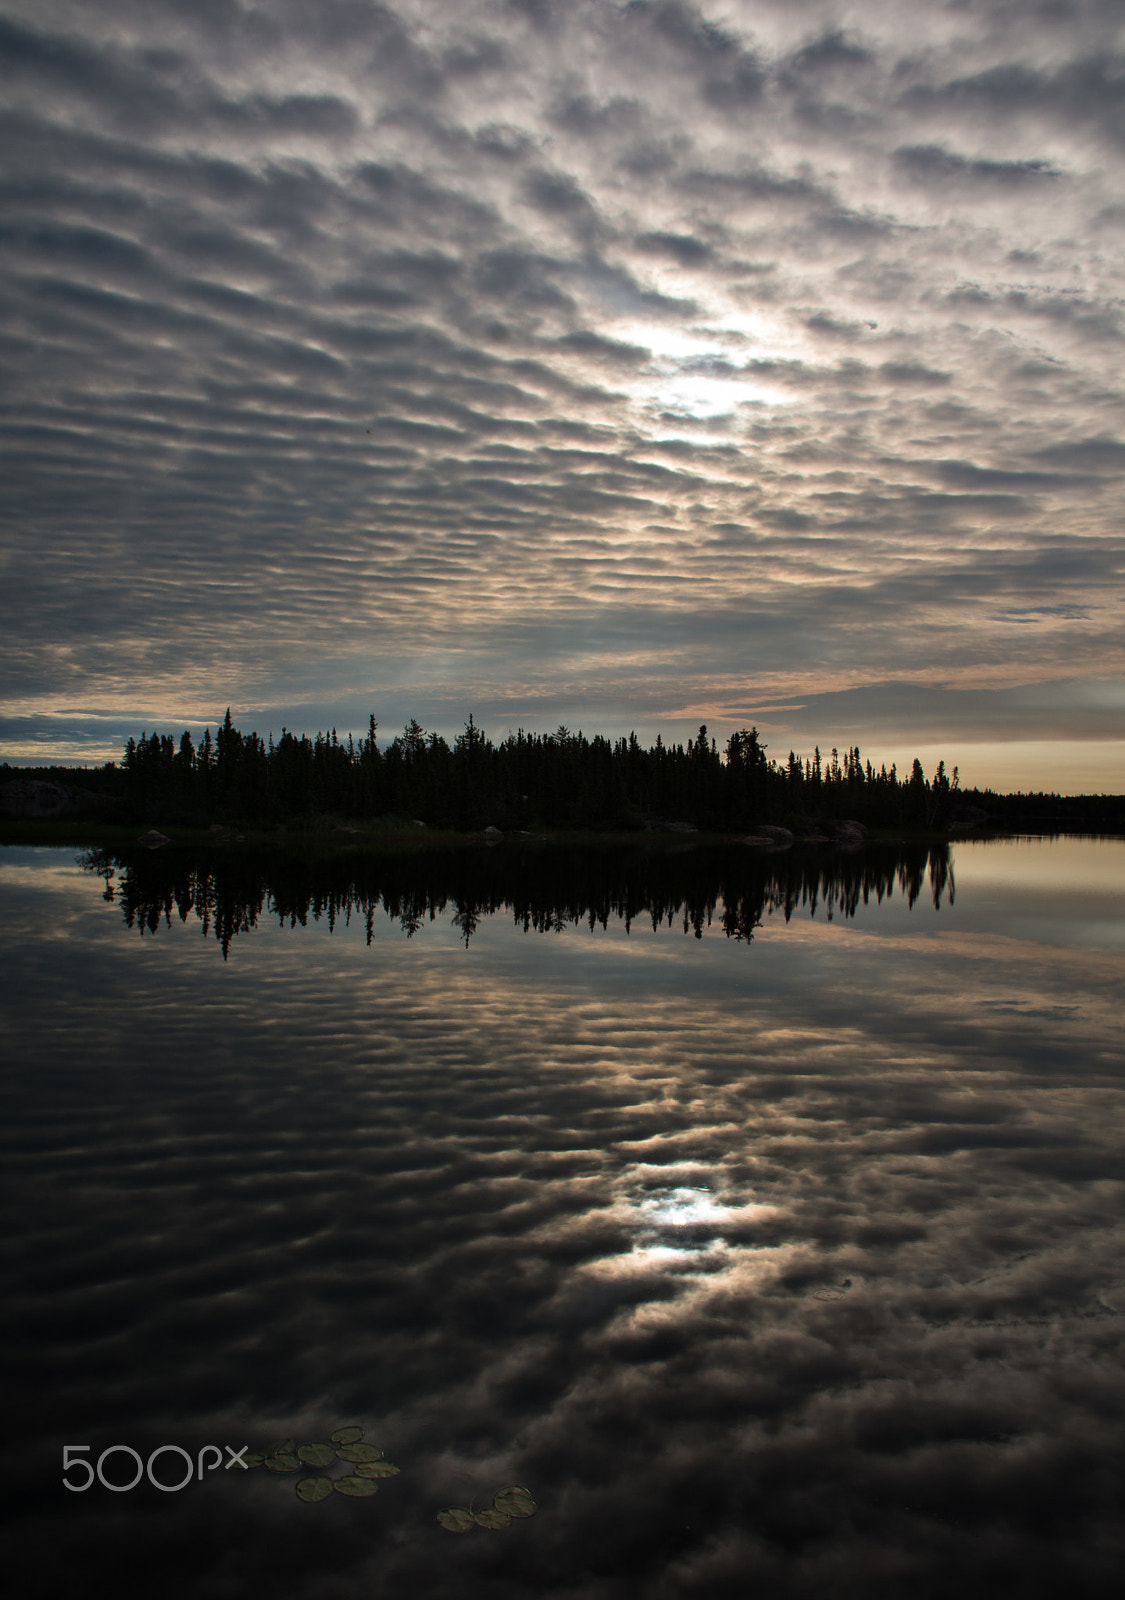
(679, 1222)
(682, 1208)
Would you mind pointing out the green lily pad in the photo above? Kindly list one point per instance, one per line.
(515, 1502)
(356, 1487)
(317, 1455)
(376, 1469)
(284, 1447)
(491, 1519)
(312, 1490)
(346, 1435)
(456, 1519)
(253, 1458)
(283, 1463)
(359, 1452)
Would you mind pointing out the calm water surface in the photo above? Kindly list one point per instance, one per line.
(776, 1247)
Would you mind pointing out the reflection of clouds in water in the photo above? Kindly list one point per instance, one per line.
(1069, 866)
(675, 1219)
(688, 1215)
(533, 1229)
(1112, 1296)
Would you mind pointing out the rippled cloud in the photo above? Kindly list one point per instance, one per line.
(626, 365)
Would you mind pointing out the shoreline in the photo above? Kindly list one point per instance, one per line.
(397, 838)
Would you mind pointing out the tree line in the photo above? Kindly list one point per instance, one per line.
(560, 780)
(527, 780)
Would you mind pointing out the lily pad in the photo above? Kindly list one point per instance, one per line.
(376, 1469)
(491, 1519)
(515, 1502)
(356, 1487)
(359, 1452)
(253, 1458)
(284, 1447)
(457, 1519)
(311, 1490)
(317, 1455)
(283, 1463)
(347, 1435)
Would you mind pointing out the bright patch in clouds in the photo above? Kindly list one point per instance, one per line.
(696, 372)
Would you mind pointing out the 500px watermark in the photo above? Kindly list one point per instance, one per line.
(75, 1459)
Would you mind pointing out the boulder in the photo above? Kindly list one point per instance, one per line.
(768, 837)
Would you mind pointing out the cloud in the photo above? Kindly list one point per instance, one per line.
(478, 318)
(1079, 91)
(930, 164)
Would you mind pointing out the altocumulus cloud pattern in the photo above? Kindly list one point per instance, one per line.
(625, 364)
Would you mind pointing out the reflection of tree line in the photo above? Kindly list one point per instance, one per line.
(542, 889)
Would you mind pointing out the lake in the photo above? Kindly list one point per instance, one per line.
(759, 1215)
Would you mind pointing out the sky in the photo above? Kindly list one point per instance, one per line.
(622, 365)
